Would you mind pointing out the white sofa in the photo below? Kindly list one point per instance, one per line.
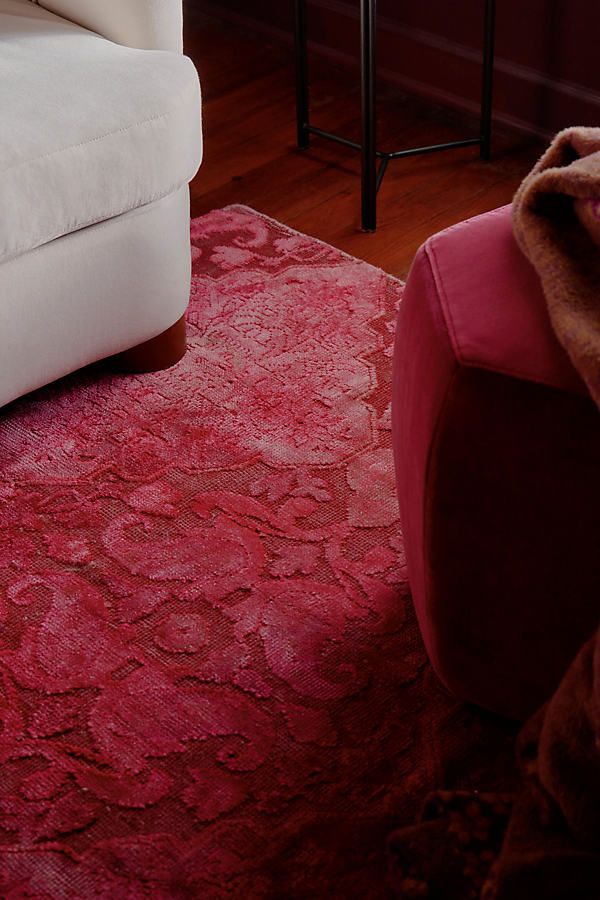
(100, 134)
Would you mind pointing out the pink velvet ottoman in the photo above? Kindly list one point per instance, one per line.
(497, 449)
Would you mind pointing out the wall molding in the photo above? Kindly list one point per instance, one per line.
(510, 76)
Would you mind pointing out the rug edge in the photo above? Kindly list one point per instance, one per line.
(272, 220)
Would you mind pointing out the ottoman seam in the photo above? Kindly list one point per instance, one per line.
(427, 503)
(431, 255)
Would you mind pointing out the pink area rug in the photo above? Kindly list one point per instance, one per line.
(212, 684)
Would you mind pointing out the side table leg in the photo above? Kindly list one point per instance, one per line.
(369, 114)
(488, 79)
(301, 54)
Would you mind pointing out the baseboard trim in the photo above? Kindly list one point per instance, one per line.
(511, 77)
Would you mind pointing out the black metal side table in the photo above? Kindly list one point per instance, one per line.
(372, 174)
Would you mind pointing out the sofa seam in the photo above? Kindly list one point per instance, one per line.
(17, 254)
(99, 225)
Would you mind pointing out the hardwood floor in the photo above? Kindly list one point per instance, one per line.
(251, 158)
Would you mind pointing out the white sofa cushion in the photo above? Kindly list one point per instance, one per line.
(148, 24)
(89, 129)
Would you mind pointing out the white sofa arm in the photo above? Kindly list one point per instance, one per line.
(146, 24)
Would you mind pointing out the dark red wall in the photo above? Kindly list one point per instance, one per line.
(548, 51)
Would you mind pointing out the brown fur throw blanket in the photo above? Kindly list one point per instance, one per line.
(548, 847)
(551, 847)
(556, 221)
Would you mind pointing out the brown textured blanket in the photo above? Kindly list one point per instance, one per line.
(556, 221)
(551, 848)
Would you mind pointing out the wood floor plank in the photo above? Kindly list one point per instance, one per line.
(251, 158)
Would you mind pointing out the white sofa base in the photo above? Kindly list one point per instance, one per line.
(93, 293)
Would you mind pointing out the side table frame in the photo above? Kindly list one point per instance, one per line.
(374, 162)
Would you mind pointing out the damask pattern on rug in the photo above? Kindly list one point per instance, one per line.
(212, 684)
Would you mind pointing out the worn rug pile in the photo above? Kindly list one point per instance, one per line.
(211, 680)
